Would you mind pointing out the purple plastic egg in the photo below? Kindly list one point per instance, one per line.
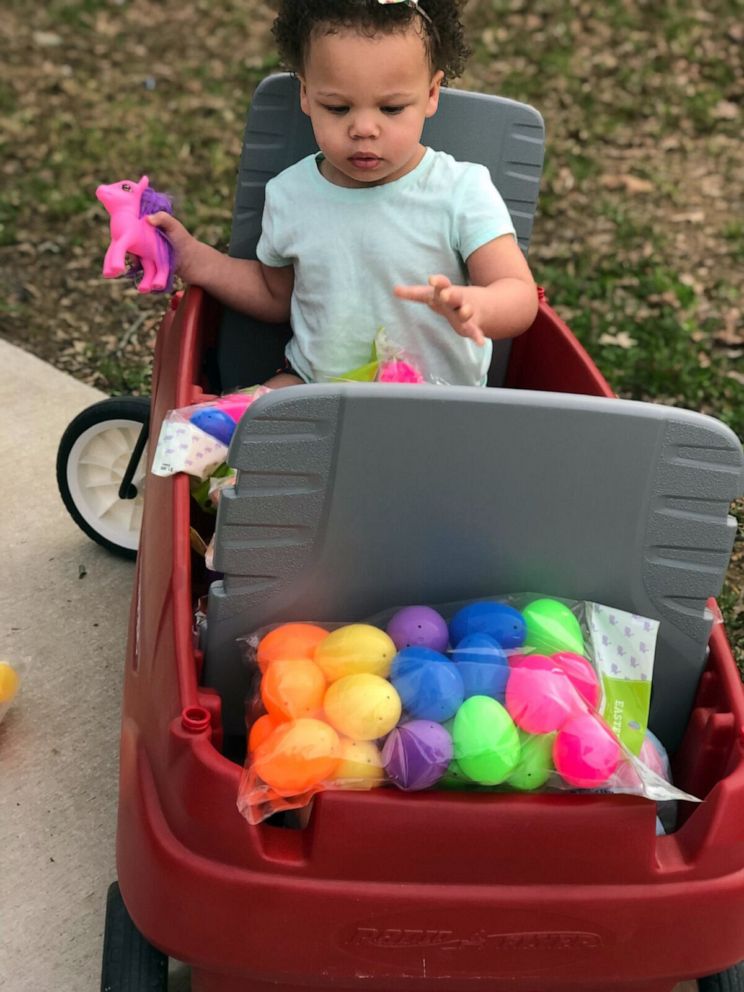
(417, 754)
(418, 626)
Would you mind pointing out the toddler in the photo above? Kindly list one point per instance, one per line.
(375, 230)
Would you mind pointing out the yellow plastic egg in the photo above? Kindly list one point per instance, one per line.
(360, 766)
(363, 707)
(355, 649)
(8, 682)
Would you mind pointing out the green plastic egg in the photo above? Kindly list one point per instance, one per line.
(535, 762)
(551, 627)
(486, 741)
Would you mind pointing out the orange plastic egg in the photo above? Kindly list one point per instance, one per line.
(291, 640)
(261, 729)
(292, 688)
(298, 755)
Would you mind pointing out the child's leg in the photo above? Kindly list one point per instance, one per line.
(282, 379)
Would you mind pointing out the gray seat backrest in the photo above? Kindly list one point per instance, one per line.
(354, 499)
(505, 136)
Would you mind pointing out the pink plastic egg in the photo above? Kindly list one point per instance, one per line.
(582, 674)
(585, 752)
(540, 697)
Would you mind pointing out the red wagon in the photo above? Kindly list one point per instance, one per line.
(569, 491)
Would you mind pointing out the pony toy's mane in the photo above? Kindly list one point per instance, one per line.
(150, 203)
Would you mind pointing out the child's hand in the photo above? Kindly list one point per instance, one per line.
(448, 300)
(186, 248)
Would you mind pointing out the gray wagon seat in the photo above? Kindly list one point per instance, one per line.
(351, 499)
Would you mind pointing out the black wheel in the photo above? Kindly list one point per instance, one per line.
(731, 980)
(92, 461)
(130, 964)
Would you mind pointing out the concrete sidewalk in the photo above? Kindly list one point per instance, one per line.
(65, 602)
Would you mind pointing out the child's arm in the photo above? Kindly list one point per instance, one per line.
(500, 303)
(243, 284)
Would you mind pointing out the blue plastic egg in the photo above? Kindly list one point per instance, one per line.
(429, 685)
(505, 624)
(214, 422)
(483, 665)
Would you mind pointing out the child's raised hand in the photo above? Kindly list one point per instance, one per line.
(448, 300)
(186, 248)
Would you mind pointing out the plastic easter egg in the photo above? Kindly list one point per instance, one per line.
(363, 707)
(585, 752)
(291, 688)
(297, 756)
(582, 675)
(419, 626)
(503, 623)
(360, 765)
(214, 422)
(654, 756)
(355, 649)
(291, 640)
(483, 665)
(539, 696)
(261, 728)
(9, 682)
(235, 404)
(455, 778)
(535, 762)
(416, 754)
(552, 627)
(429, 685)
(486, 741)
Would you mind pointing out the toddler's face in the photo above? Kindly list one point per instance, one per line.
(368, 99)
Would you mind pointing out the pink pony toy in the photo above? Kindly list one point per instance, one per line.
(129, 203)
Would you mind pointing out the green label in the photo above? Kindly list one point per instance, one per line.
(626, 706)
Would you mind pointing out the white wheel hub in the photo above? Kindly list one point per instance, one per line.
(95, 469)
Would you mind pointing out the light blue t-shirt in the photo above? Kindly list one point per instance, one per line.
(349, 247)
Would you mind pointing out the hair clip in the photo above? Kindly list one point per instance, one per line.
(411, 3)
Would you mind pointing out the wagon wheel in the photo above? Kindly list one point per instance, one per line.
(130, 964)
(101, 469)
(731, 980)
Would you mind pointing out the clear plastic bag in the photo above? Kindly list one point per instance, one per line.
(520, 693)
(388, 363)
(195, 439)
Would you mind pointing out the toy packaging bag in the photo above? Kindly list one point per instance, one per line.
(195, 439)
(520, 693)
(388, 362)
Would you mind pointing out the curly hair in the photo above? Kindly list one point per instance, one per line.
(297, 20)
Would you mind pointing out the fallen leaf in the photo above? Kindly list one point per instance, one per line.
(725, 110)
(631, 184)
(620, 340)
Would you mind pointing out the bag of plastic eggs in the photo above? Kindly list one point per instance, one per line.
(195, 439)
(518, 693)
